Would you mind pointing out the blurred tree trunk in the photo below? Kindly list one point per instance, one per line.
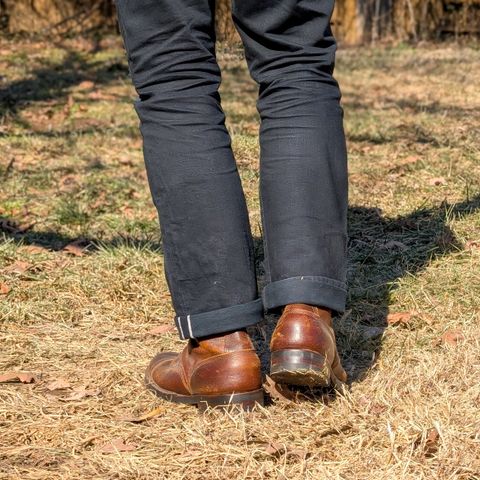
(225, 27)
(61, 15)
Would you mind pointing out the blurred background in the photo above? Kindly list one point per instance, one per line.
(355, 21)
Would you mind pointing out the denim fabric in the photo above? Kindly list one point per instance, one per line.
(208, 247)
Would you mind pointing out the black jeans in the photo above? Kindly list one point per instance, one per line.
(208, 248)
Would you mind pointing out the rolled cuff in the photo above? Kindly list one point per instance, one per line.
(319, 291)
(219, 321)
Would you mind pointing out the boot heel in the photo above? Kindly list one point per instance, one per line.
(299, 367)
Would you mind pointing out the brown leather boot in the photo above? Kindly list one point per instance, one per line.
(220, 370)
(303, 348)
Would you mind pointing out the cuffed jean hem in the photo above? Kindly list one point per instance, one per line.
(319, 291)
(219, 321)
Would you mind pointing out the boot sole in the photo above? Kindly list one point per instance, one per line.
(245, 400)
(302, 368)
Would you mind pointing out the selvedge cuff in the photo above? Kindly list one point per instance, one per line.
(219, 321)
(319, 291)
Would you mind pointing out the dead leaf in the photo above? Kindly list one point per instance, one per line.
(277, 449)
(85, 85)
(18, 267)
(80, 394)
(394, 244)
(77, 247)
(430, 445)
(410, 159)
(99, 95)
(401, 318)
(128, 212)
(146, 416)
(4, 289)
(451, 337)
(33, 249)
(472, 245)
(161, 329)
(117, 445)
(278, 391)
(18, 377)
(437, 181)
(377, 409)
(59, 384)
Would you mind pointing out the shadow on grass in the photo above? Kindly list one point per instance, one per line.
(55, 241)
(54, 81)
(382, 250)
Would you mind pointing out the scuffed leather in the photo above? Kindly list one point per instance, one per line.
(307, 327)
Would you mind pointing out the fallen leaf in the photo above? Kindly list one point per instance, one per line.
(80, 394)
(85, 85)
(472, 245)
(99, 95)
(399, 318)
(410, 159)
(428, 442)
(117, 445)
(437, 181)
(278, 391)
(451, 337)
(18, 267)
(377, 409)
(18, 377)
(77, 247)
(394, 244)
(161, 329)
(59, 384)
(128, 212)
(4, 289)
(146, 416)
(277, 449)
(369, 333)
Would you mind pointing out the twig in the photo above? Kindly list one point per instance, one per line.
(9, 167)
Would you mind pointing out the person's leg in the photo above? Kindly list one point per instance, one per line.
(290, 50)
(303, 172)
(193, 177)
(195, 185)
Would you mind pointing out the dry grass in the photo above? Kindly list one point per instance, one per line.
(71, 166)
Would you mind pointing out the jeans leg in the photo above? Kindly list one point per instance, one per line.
(208, 248)
(303, 187)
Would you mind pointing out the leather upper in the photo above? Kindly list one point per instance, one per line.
(221, 365)
(306, 327)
